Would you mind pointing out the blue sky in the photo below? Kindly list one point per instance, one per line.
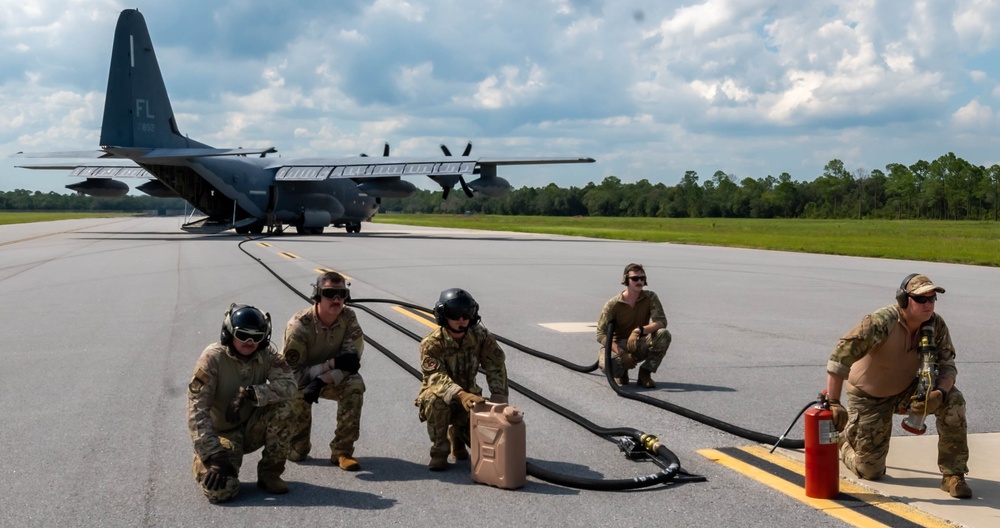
(649, 89)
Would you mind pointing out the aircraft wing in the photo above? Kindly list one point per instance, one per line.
(363, 168)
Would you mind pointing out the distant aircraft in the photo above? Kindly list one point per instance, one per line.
(242, 189)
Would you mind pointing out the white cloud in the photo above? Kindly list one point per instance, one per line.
(752, 87)
(974, 117)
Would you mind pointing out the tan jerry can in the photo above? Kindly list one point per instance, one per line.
(498, 445)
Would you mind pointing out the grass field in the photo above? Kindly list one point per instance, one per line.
(20, 217)
(929, 240)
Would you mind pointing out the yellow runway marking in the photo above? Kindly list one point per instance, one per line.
(264, 244)
(288, 255)
(424, 319)
(328, 270)
(856, 505)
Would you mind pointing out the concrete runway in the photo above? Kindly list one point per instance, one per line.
(106, 317)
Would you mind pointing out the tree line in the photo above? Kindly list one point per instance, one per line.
(23, 200)
(946, 188)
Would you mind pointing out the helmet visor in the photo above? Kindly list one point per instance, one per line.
(456, 313)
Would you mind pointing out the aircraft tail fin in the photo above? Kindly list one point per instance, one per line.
(137, 110)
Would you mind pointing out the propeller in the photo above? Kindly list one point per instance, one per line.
(461, 180)
(385, 151)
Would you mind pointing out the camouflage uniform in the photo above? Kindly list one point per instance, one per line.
(880, 362)
(218, 376)
(309, 345)
(651, 347)
(449, 367)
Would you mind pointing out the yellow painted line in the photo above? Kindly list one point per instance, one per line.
(423, 319)
(896, 508)
(328, 270)
(830, 507)
(264, 244)
(827, 506)
(288, 255)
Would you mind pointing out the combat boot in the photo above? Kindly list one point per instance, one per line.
(458, 449)
(346, 462)
(955, 486)
(438, 463)
(269, 476)
(645, 379)
(623, 379)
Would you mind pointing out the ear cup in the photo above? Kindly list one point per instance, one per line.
(316, 289)
(902, 299)
(226, 337)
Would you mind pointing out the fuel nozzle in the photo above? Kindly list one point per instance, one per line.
(914, 423)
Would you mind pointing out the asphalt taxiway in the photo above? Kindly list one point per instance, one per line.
(104, 319)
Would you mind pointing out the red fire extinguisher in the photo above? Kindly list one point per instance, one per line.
(822, 452)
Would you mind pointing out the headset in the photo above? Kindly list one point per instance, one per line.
(632, 267)
(456, 300)
(244, 313)
(902, 297)
(329, 276)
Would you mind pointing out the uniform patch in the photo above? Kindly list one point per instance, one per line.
(292, 357)
(429, 364)
(198, 381)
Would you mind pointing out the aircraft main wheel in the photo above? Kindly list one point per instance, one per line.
(243, 230)
(257, 227)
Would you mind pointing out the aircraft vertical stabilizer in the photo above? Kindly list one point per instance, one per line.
(137, 110)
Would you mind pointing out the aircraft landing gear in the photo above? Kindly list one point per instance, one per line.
(302, 230)
(353, 227)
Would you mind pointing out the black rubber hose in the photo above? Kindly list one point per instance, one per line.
(658, 452)
(688, 413)
(537, 353)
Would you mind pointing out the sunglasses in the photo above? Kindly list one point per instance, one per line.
(924, 299)
(333, 293)
(637, 278)
(245, 335)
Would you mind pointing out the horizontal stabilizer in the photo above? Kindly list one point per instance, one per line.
(66, 154)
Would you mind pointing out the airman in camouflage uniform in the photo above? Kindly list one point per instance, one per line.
(450, 357)
(880, 361)
(238, 402)
(323, 345)
(640, 329)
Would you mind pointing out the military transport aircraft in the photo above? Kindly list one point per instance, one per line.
(242, 189)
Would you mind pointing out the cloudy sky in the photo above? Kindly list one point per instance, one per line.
(649, 89)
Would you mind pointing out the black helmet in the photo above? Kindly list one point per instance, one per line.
(454, 303)
(246, 322)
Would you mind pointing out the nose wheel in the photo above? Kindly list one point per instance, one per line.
(353, 227)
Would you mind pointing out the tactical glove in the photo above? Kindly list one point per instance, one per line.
(311, 394)
(839, 415)
(218, 470)
(627, 360)
(934, 400)
(633, 340)
(348, 363)
(468, 399)
(245, 395)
